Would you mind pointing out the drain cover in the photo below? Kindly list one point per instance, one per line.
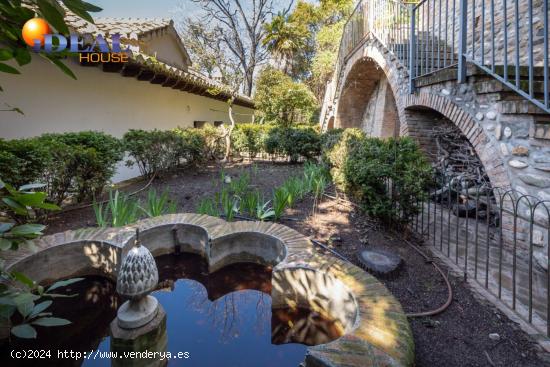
(379, 262)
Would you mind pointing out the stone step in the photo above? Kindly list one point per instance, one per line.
(494, 86)
(519, 107)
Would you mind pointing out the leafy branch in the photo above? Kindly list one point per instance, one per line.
(15, 13)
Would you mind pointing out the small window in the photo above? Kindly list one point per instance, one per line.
(199, 124)
(218, 123)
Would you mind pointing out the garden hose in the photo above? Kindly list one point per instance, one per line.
(420, 252)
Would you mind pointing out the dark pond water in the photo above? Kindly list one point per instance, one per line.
(220, 319)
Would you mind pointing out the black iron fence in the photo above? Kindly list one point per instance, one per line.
(497, 237)
(508, 39)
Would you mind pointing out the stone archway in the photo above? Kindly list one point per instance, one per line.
(367, 101)
(330, 123)
(421, 111)
(369, 66)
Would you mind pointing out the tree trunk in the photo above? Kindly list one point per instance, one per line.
(227, 157)
(248, 81)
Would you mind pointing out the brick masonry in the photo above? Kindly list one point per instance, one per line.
(510, 135)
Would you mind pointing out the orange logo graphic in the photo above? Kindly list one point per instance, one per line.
(35, 29)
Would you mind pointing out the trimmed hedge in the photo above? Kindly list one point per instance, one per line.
(294, 142)
(81, 164)
(78, 164)
(162, 150)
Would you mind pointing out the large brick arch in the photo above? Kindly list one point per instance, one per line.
(367, 99)
(416, 111)
(419, 112)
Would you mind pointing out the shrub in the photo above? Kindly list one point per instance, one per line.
(82, 163)
(328, 140)
(152, 151)
(79, 164)
(155, 151)
(214, 142)
(191, 147)
(365, 168)
(293, 142)
(22, 161)
(250, 138)
(281, 100)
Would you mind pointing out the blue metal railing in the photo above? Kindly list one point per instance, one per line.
(507, 39)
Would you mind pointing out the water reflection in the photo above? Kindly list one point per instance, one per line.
(221, 319)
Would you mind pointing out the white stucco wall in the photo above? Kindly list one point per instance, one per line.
(108, 102)
(165, 46)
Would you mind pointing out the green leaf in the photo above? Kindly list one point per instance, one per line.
(81, 9)
(7, 301)
(40, 307)
(2, 184)
(25, 308)
(89, 7)
(8, 69)
(48, 206)
(31, 186)
(24, 331)
(15, 206)
(22, 56)
(5, 244)
(10, 188)
(20, 277)
(5, 54)
(53, 16)
(28, 229)
(64, 68)
(6, 311)
(4, 227)
(51, 321)
(31, 199)
(63, 283)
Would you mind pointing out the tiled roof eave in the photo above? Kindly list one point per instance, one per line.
(146, 68)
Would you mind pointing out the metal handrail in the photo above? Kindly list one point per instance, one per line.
(442, 34)
(439, 34)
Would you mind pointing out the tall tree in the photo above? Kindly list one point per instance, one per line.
(239, 27)
(285, 40)
(208, 53)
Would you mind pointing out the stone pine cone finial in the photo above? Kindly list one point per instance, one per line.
(138, 275)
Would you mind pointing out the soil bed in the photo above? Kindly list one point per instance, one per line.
(457, 337)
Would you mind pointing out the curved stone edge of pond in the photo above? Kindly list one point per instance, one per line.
(376, 330)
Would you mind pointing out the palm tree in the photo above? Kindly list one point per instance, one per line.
(284, 39)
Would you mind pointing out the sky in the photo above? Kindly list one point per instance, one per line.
(139, 8)
(149, 8)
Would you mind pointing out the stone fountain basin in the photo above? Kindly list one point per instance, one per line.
(376, 330)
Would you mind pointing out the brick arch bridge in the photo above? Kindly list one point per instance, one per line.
(403, 69)
(376, 87)
(371, 69)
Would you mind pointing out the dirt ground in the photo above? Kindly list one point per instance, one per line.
(457, 337)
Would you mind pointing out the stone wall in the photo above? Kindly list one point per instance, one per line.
(435, 19)
(510, 135)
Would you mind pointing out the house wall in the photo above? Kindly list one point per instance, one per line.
(108, 102)
(166, 47)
